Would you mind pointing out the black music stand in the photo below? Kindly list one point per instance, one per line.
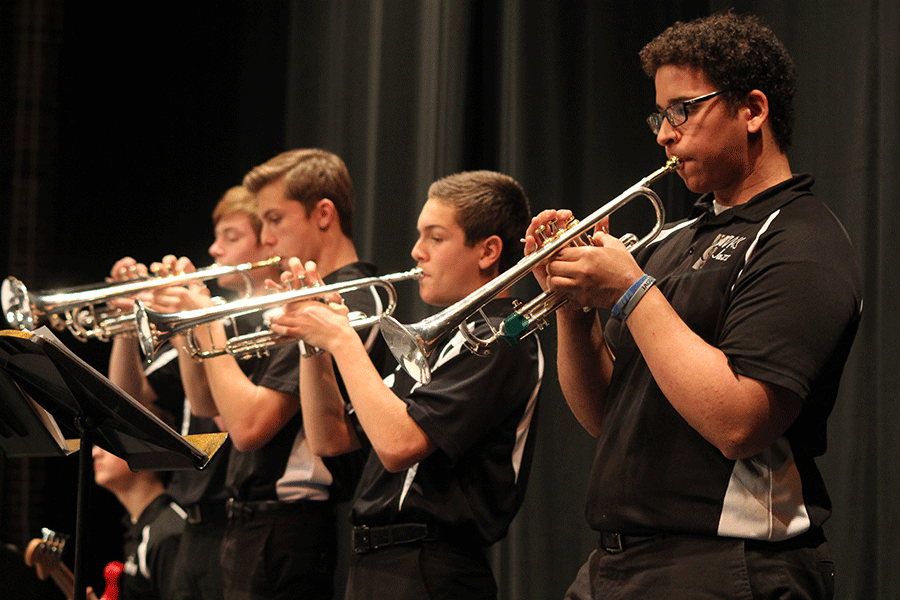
(46, 389)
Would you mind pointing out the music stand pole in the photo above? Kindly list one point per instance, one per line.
(86, 425)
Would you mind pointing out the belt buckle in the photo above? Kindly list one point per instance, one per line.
(235, 510)
(371, 538)
(612, 542)
(194, 514)
(361, 539)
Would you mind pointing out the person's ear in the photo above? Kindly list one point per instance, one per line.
(491, 248)
(756, 109)
(324, 214)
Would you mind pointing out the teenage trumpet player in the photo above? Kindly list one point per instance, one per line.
(281, 538)
(450, 459)
(196, 572)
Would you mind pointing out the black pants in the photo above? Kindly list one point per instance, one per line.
(284, 554)
(714, 568)
(436, 570)
(197, 574)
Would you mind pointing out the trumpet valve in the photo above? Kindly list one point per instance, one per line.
(159, 270)
(629, 239)
(129, 272)
(551, 230)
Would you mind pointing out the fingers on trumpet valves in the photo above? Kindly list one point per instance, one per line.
(127, 271)
(312, 272)
(544, 227)
(289, 281)
(170, 265)
(551, 230)
(159, 269)
(603, 225)
(184, 265)
(295, 275)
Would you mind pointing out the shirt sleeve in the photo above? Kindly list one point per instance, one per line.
(794, 305)
(470, 395)
(280, 370)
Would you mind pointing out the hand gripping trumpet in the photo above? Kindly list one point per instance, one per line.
(84, 310)
(155, 328)
(412, 344)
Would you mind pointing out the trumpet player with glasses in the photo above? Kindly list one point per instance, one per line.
(281, 536)
(196, 573)
(449, 460)
(709, 387)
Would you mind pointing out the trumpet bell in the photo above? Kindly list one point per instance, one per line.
(17, 304)
(144, 330)
(408, 346)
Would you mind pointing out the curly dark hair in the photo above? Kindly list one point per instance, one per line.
(737, 53)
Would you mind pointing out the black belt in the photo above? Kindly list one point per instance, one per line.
(237, 509)
(618, 542)
(370, 538)
(204, 512)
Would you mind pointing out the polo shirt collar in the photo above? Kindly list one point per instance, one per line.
(760, 206)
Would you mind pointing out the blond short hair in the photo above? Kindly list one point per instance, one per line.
(238, 200)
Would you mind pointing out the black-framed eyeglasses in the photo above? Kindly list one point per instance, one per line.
(676, 114)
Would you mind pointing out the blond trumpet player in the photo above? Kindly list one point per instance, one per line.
(281, 539)
(449, 460)
(709, 387)
(196, 572)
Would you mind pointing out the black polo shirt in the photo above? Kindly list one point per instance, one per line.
(285, 468)
(479, 411)
(774, 284)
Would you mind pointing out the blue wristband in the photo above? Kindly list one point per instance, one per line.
(631, 297)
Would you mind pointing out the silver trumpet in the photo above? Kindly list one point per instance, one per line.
(85, 310)
(412, 344)
(155, 328)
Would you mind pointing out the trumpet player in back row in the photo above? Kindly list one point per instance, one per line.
(196, 572)
(281, 538)
(709, 387)
(448, 460)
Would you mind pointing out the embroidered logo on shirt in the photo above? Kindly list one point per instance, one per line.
(721, 249)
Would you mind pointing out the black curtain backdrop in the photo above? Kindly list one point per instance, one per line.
(121, 128)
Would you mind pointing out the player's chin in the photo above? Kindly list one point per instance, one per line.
(425, 293)
(430, 295)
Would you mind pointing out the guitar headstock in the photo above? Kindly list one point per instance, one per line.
(45, 554)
